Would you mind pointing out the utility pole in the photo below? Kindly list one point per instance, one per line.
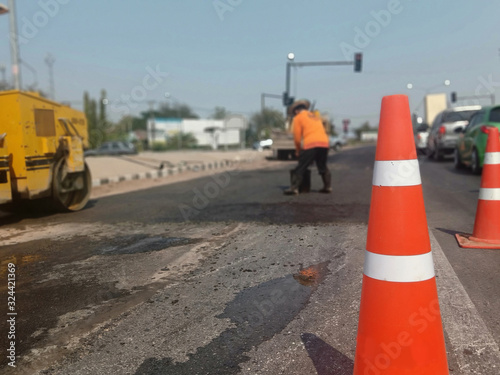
(2, 69)
(287, 99)
(14, 47)
(153, 125)
(49, 60)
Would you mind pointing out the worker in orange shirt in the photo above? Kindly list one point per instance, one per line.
(311, 145)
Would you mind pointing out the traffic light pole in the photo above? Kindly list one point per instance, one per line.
(455, 98)
(263, 100)
(287, 100)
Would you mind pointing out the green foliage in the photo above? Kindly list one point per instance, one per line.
(176, 110)
(98, 125)
(5, 86)
(262, 123)
(220, 113)
(176, 142)
(183, 140)
(363, 128)
(165, 111)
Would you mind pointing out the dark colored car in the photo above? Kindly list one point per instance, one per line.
(442, 138)
(471, 144)
(112, 148)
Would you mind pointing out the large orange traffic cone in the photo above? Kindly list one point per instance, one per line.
(486, 233)
(400, 330)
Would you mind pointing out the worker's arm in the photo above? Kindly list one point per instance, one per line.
(297, 135)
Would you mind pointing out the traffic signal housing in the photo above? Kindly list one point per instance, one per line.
(453, 97)
(287, 100)
(358, 62)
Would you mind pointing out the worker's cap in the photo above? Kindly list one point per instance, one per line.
(304, 102)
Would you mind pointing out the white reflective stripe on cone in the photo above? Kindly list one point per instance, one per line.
(399, 268)
(489, 194)
(396, 173)
(492, 158)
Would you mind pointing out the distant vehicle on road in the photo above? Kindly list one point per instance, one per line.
(336, 143)
(442, 136)
(264, 144)
(113, 148)
(421, 138)
(471, 144)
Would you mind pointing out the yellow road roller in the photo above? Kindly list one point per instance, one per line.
(41, 151)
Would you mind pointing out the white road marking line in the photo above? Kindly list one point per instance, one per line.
(464, 326)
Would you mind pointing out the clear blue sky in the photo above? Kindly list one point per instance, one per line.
(227, 52)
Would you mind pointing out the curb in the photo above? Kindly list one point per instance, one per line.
(162, 173)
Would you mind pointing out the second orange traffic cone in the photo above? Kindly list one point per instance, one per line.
(486, 233)
(400, 330)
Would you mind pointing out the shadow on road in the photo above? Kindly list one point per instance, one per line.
(257, 313)
(326, 359)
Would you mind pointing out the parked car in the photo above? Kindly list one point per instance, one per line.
(113, 148)
(471, 144)
(421, 137)
(442, 136)
(336, 143)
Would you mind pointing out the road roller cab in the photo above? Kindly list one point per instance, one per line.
(41, 151)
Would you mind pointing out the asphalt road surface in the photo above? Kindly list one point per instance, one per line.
(207, 276)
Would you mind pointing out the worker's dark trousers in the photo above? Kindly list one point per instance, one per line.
(306, 158)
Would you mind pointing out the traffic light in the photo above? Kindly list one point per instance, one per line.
(358, 62)
(453, 97)
(287, 100)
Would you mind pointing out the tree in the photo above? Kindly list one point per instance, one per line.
(363, 128)
(220, 113)
(102, 108)
(187, 140)
(166, 110)
(98, 125)
(177, 110)
(4, 86)
(262, 123)
(95, 137)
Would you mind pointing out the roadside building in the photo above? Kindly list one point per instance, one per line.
(212, 133)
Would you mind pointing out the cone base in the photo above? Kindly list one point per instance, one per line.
(400, 330)
(469, 242)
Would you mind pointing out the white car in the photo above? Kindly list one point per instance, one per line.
(421, 137)
(336, 143)
(264, 144)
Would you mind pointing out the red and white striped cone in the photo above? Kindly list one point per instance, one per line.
(400, 330)
(486, 232)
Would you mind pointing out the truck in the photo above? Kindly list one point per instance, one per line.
(41, 152)
(283, 145)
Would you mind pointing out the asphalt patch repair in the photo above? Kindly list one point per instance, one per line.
(259, 313)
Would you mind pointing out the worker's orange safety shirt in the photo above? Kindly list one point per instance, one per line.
(308, 126)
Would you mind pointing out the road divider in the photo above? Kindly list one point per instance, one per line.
(170, 171)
